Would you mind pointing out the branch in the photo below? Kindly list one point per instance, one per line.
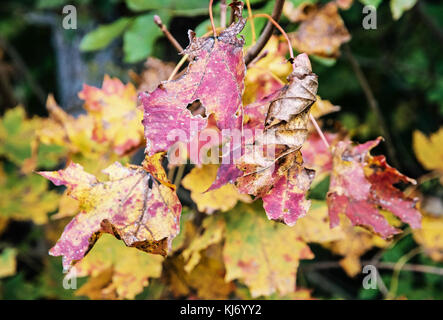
(266, 34)
(373, 104)
(174, 42)
(322, 265)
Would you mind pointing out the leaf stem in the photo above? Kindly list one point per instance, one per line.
(179, 176)
(251, 21)
(174, 42)
(397, 268)
(320, 133)
(211, 17)
(275, 23)
(178, 66)
(266, 34)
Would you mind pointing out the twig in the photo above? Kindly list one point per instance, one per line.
(211, 17)
(266, 34)
(275, 23)
(223, 8)
(397, 268)
(322, 265)
(174, 42)
(373, 104)
(178, 66)
(171, 173)
(320, 133)
(179, 176)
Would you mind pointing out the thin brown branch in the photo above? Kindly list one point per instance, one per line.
(282, 31)
(323, 265)
(266, 34)
(373, 104)
(320, 133)
(174, 42)
(211, 17)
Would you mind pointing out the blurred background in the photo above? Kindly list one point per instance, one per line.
(387, 81)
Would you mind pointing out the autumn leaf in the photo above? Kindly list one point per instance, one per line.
(143, 217)
(262, 254)
(214, 228)
(322, 32)
(115, 113)
(18, 142)
(212, 59)
(314, 227)
(200, 179)
(153, 165)
(62, 129)
(297, 13)
(286, 201)
(356, 242)
(323, 107)
(8, 263)
(278, 175)
(361, 183)
(428, 150)
(287, 116)
(130, 268)
(207, 279)
(25, 198)
(430, 236)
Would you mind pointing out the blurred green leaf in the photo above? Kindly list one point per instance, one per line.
(398, 7)
(176, 7)
(139, 38)
(103, 35)
(374, 3)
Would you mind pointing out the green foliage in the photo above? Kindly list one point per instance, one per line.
(104, 35)
(136, 44)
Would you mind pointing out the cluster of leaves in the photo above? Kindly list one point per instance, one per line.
(129, 230)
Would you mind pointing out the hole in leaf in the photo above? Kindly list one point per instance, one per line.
(197, 108)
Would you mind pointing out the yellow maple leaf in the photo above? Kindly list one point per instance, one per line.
(356, 242)
(429, 151)
(207, 279)
(323, 107)
(25, 197)
(131, 269)
(263, 254)
(213, 233)
(314, 227)
(224, 198)
(114, 109)
(62, 129)
(430, 236)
